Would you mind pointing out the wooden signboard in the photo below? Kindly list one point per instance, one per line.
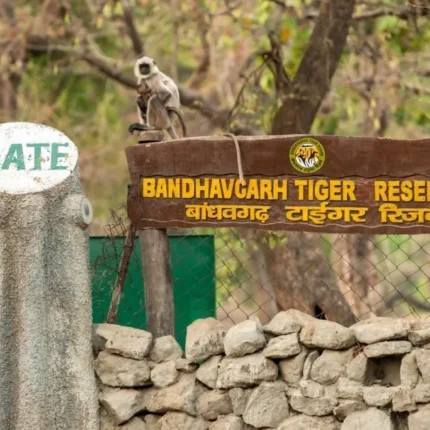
(311, 183)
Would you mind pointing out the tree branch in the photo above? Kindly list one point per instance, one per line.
(116, 75)
(279, 3)
(193, 100)
(425, 73)
(230, 8)
(131, 29)
(202, 70)
(410, 300)
(7, 10)
(416, 89)
(403, 13)
(189, 98)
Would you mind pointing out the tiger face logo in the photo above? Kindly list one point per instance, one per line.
(307, 155)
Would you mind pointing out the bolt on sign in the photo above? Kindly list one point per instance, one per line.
(34, 157)
(315, 183)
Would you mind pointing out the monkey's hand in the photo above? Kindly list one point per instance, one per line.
(137, 127)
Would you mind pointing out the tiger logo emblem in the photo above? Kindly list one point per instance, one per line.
(307, 155)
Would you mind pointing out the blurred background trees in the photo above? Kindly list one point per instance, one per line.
(345, 67)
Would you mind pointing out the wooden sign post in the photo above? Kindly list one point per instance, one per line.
(311, 183)
(157, 268)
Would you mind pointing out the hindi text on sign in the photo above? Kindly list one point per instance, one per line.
(319, 214)
(230, 212)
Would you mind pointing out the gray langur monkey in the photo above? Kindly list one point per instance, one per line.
(152, 82)
(159, 117)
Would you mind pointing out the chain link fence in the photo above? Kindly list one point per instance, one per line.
(341, 277)
(376, 275)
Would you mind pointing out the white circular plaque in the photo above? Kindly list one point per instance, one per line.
(34, 157)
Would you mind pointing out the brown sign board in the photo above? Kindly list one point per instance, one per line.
(300, 183)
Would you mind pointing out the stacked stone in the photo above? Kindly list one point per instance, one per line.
(295, 373)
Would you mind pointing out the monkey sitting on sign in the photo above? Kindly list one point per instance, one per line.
(158, 99)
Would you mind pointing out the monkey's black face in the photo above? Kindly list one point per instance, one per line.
(144, 69)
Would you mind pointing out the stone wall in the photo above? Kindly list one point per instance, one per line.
(295, 373)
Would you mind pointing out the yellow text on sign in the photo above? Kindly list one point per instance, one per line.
(402, 191)
(321, 190)
(227, 212)
(322, 213)
(214, 188)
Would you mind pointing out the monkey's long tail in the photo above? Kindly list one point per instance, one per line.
(239, 156)
(181, 119)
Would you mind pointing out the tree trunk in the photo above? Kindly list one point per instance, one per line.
(8, 104)
(353, 264)
(319, 63)
(300, 271)
(9, 81)
(355, 252)
(301, 276)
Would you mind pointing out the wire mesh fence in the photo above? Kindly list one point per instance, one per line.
(340, 277)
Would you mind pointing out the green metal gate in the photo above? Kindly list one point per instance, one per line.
(193, 265)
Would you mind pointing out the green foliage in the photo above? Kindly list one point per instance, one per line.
(387, 24)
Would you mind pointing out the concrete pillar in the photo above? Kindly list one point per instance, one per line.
(46, 366)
